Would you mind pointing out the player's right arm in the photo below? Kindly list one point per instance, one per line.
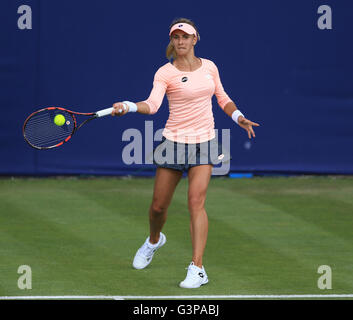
(152, 104)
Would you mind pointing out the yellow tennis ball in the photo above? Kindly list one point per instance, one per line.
(59, 120)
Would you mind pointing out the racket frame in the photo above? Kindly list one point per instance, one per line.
(72, 113)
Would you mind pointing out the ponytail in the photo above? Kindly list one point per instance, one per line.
(170, 52)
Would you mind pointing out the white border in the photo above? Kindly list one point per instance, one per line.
(256, 296)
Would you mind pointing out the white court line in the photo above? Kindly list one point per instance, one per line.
(256, 296)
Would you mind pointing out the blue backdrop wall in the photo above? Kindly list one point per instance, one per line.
(278, 66)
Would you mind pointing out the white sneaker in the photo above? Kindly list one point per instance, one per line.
(145, 254)
(195, 277)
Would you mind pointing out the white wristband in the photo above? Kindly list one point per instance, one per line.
(235, 115)
(132, 106)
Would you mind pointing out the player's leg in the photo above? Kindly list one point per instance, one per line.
(165, 183)
(199, 177)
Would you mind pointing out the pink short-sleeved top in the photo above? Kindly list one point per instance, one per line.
(189, 95)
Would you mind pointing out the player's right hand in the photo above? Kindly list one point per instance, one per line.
(120, 109)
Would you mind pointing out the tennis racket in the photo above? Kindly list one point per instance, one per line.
(41, 132)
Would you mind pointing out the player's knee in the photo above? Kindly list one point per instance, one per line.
(158, 208)
(196, 201)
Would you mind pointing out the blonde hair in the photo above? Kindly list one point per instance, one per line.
(170, 51)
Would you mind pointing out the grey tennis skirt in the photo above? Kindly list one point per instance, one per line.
(183, 156)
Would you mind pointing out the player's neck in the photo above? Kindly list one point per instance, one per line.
(187, 63)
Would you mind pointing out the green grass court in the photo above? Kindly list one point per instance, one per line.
(267, 236)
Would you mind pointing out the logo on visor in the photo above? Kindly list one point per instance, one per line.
(180, 25)
(184, 79)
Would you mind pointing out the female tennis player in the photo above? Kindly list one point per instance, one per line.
(189, 82)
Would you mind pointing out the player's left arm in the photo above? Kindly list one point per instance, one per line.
(229, 106)
(230, 109)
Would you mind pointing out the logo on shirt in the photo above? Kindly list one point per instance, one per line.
(208, 76)
(184, 79)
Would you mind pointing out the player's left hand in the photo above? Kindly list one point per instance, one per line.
(247, 125)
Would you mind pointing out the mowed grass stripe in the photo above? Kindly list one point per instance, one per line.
(304, 240)
(60, 256)
(80, 228)
(240, 257)
(288, 248)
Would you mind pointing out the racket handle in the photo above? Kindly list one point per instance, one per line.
(104, 112)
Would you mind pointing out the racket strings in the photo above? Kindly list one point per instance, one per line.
(41, 131)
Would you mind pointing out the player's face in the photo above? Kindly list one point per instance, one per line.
(183, 43)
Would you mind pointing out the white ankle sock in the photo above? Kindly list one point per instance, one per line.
(153, 245)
